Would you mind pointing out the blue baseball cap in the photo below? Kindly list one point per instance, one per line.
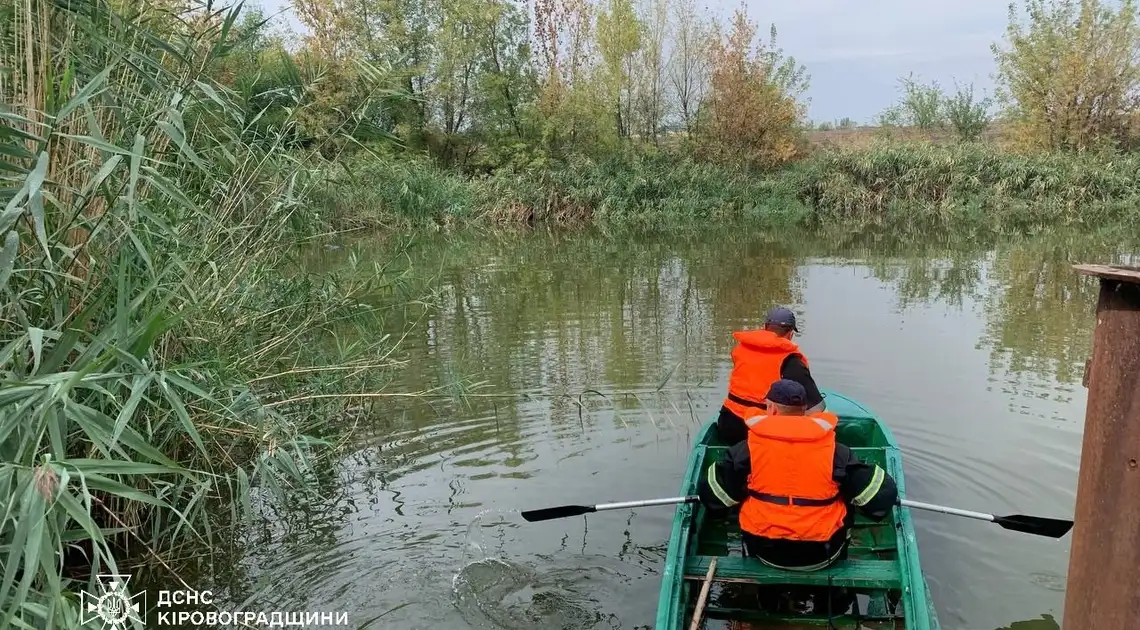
(781, 316)
(785, 392)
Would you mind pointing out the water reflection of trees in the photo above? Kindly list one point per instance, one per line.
(1037, 311)
(1045, 622)
(535, 315)
(1040, 314)
(952, 277)
(558, 315)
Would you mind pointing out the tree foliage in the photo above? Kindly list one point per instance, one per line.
(967, 114)
(573, 76)
(926, 106)
(491, 83)
(619, 40)
(650, 92)
(752, 112)
(920, 105)
(1069, 74)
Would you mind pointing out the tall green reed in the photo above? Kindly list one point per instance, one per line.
(147, 330)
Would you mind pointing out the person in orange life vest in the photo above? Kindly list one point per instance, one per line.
(760, 358)
(796, 486)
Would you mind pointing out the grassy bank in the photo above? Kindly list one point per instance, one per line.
(630, 190)
(966, 186)
(888, 185)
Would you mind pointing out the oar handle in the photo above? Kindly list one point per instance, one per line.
(918, 505)
(645, 503)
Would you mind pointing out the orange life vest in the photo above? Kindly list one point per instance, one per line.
(756, 362)
(791, 492)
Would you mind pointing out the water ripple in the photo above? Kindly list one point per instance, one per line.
(969, 356)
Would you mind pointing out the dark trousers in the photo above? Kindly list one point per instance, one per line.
(797, 554)
(730, 427)
(803, 556)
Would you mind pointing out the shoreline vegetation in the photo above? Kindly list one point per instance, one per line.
(892, 186)
(657, 115)
(163, 380)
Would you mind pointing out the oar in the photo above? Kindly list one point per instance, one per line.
(564, 511)
(1051, 527)
(1039, 526)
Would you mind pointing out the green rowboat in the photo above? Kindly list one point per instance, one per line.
(882, 568)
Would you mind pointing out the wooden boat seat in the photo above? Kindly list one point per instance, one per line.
(852, 573)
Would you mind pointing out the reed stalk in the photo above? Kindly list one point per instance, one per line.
(147, 215)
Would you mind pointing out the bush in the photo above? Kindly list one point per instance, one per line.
(967, 116)
(920, 106)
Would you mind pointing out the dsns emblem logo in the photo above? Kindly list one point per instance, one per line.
(111, 608)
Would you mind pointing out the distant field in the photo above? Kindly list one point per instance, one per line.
(861, 137)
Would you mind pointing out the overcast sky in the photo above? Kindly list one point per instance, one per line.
(855, 52)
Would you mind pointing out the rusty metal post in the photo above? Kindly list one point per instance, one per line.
(1104, 562)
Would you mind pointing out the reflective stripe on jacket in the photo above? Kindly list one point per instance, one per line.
(757, 360)
(791, 492)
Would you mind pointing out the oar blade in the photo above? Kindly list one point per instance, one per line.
(1050, 527)
(562, 511)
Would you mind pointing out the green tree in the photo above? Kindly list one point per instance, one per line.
(575, 102)
(920, 105)
(394, 34)
(619, 39)
(649, 83)
(457, 61)
(507, 83)
(967, 115)
(1069, 76)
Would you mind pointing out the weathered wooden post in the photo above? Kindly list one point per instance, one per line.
(1104, 563)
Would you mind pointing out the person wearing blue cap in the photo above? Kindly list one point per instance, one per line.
(796, 486)
(760, 358)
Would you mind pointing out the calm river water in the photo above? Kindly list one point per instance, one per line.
(588, 365)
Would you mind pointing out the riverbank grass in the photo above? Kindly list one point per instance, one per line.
(889, 185)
